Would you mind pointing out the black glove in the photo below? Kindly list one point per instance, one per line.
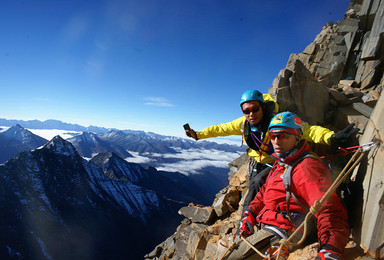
(344, 138)
(328, 252)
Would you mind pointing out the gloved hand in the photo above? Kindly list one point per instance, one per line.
(344, 138)
(328, 252)
(247, 224)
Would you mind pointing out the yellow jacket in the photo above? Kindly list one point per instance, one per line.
(316, 134)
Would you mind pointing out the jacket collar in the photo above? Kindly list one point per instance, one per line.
(295, 153)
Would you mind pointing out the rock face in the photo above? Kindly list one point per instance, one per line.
(343, 66)
(337, 80)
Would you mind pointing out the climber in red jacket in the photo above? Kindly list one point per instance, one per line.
(280, 210)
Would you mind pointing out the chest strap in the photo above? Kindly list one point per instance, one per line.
(287, 179)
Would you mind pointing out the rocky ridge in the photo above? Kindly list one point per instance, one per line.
(342, 73)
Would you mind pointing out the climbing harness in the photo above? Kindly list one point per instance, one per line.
(287, 179)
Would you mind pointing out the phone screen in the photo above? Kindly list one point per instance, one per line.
(186, 127)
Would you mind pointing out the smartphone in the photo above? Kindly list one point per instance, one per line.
(186, 127)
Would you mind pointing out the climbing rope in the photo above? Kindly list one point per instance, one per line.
(251, 246)
(318, 204)
(228, 249)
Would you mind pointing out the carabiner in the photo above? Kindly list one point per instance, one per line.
(273, 251)
(368, 146)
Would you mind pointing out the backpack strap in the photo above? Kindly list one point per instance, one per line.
(287, 179)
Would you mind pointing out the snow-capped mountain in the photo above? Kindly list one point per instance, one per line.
(141, 143)
(56, 205)
(89, 144)
(17, 139)
(175, 186)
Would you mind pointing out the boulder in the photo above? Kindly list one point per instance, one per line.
(305, 95)
(227, 202)
(198, 214)
(375, 41)
(236, 164)
(367, 75)
(339, 97)
(240, 178)
(371, 98)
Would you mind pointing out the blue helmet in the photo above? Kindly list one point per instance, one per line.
(251, 95)
(288, 122)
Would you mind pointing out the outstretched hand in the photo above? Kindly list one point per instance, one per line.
(191, 133)
(344, 138)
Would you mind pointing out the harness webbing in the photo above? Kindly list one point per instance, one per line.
(287, 179)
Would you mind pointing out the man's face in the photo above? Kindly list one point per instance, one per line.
(283, 141)
(249, 109)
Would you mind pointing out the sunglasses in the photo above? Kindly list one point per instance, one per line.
(252, 109)
(280, 136)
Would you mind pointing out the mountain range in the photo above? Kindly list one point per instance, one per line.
(52, 124)
(80, 198)
(57, 205)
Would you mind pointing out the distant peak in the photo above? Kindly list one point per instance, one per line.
(17, 131)
(16, 127)
(60, 146)
(57, 139)
(88, 134)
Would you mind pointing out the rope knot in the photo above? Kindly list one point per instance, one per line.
(284, 243)
(316, 207)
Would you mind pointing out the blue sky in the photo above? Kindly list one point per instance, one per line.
(149, 65)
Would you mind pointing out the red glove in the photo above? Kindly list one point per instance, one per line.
(326, 254)
(247, 224)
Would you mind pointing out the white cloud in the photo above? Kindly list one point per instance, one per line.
(194, 160)
(194, 154)
(192, 166)
(50, 133)
(138, 158)
(157, 101)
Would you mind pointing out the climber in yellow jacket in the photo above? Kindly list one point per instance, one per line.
(258, 110)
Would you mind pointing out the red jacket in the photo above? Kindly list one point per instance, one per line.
(310, 180)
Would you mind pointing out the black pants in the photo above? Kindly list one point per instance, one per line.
(257, 179)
